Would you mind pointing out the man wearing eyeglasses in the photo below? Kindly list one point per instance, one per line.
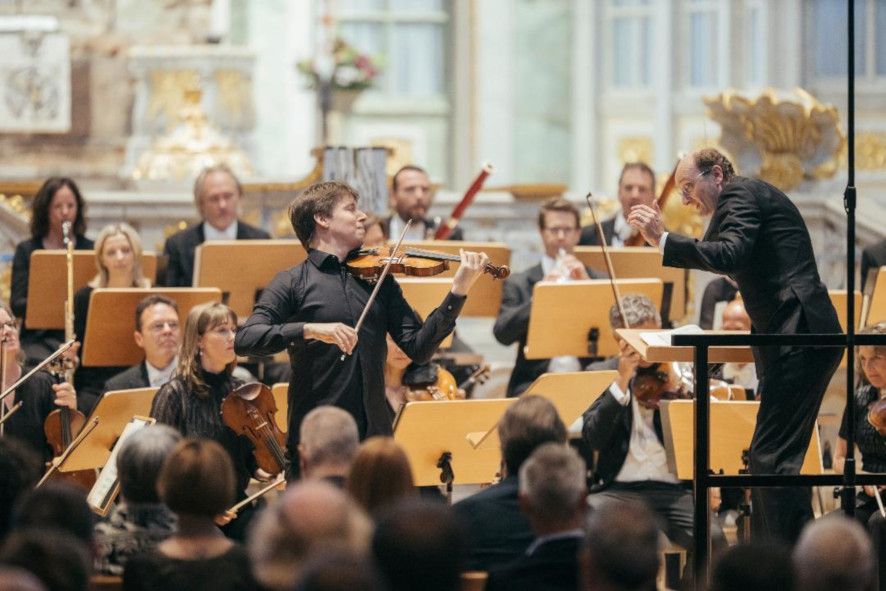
(757, 237)
(157, 332)
(558, 224)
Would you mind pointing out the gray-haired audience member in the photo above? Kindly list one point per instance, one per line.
(139, 521)
(761, 566)
(419, 544)
(498, 532)
(328, 444)
(620, 551)
(552, 495)
(310, 517)
(834, 554)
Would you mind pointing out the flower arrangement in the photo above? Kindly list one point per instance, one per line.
(344, 69)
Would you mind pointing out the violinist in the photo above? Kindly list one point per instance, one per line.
(312, 308)
(627, 433)
(411, 197)
(636, 185)
(40, 395)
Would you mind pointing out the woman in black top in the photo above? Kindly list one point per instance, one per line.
(58, 201)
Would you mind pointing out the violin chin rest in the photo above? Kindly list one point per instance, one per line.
(248, 391)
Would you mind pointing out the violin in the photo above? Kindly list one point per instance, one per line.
(657, 382)
(445, 386)
(249, 410)
(61, 426)
(877, 415)
(636, 238)
(369, 263)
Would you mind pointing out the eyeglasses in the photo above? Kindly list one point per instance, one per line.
(686, 190)
(10, 324)
(161, 325)
(557, 230)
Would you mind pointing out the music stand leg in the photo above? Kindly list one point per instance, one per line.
(447, 476)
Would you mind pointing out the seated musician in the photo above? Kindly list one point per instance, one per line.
(411, 198)
(735, 317)
(157, 333)
(40, 395)
(558, 225)
(627, 432)
(217, 194)
(636, 185)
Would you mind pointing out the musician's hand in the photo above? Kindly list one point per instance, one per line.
(65, 395)
(647, 220)
(261, 475)
(470, 269)
(628, 360)
(574, 269)
(224, 518)
(334, 333)
(70, 356)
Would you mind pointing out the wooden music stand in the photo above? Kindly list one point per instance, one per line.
(426, 294)
(47, 283)
(114, 410)
(838, 299)
(111, 321)
(434, 430)
(106, 488)
(659, 353)
(485, 298)
(636, 262)
(876, 308)
(732, 426)
(281, 399)
(564, 314)
(241, 268)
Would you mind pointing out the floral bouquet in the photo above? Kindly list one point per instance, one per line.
(344, 69)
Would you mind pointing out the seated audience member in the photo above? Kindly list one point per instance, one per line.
(627, 434)
(498, 532)
(58, 201)
(56, 557)
(759, 566)
(558, 226)
(197, 483)
(411, 198)
(419, 544)
(834, 554)
(157, 333)
(329, 442)
(20, 469)
(139, 520)
(620, 551)
(13, 578)
(338, 570)
(56, 505)
(311, 518)
(118, 260)
(380, 475)
(552, 495)
(217, 194)
(636, 186)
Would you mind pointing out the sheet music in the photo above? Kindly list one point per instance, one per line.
(105, 488)
(662, 338)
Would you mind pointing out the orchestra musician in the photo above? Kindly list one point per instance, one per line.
(312, 308)
(636, 185)
(411, 198)
(757, 236)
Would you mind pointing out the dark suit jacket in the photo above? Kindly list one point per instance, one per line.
(553, 566)
(758, 238)
(498, 532)
(134, 377)
(872, 257)
(430, 228)
(180, 247)
(589, 233)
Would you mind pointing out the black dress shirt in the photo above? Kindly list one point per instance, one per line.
(322, 290)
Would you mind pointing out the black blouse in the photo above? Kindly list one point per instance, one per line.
(38, 400)
(154, 571)
(870, 443)
(89, 381)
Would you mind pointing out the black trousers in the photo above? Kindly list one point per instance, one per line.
(791, 391)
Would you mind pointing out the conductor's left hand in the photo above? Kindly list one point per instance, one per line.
(472, 265)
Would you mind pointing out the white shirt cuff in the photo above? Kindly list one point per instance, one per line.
(621, 397)
(661, 242)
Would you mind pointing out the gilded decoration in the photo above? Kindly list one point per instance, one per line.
(635, 149)
(781, 137)
(168, 92)
(233, 94)
(870, 150)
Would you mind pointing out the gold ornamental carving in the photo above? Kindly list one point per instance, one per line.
(635, 149)
(233, 94)
(870, 150)
(168, 92)
(784, 138)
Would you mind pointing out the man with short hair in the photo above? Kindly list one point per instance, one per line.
(552, 495)
(834, 554)
(217, 194)
(157, 333)
(558, 226)
(498, 531)
(329, 442)
(411, 197)
(636, 185)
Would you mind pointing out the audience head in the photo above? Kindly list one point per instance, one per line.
(55, 505)
(411, 193)
(311, 517)
(559, 224)
(207, 344)
(139, 460)
(735, 317)
(157, 329)
(313, 209)
(419, 544)
(118, 258)
(621, 548)
(758, 566)
(58, 559)
(328, 442)
(20, 469)
(527, 424)
(834, 554)
(872, 358)
(640, 312)
(217, 193)
(15, 578)
(197, 479)
(553, 488)
(636, 186)
(58, 200)
(337, 570)
(700, 178)
(380, 475)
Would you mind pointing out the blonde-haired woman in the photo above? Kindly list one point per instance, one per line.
(191, 400)
(118, 262)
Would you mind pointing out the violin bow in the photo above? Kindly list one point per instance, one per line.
(87, 429)
(609, 267)
(64, 347)
(379, 281)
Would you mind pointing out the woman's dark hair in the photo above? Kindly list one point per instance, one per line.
(43, 201)
(197, 478)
